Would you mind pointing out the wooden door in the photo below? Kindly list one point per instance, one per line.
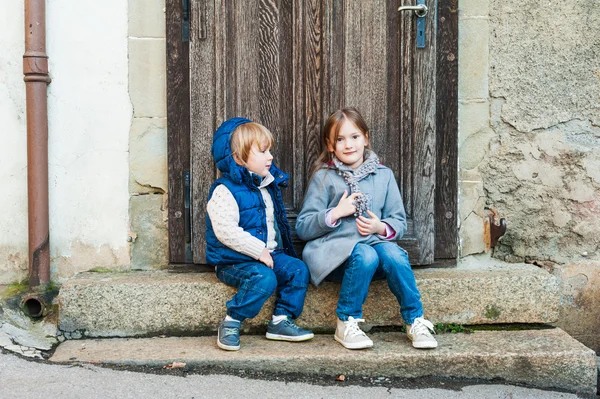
(289, 64)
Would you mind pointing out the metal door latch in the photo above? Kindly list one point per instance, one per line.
(420, 10)
(185, 21)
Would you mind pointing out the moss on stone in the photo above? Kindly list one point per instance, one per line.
(492, 312)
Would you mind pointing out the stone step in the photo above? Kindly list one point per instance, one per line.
(157, 302)
(547, 358)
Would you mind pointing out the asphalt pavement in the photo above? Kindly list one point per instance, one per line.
(22, 378)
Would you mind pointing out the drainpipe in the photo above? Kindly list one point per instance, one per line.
(35, 69)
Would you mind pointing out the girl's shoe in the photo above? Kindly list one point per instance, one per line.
(228, 335)
(286, 330)
(420, 334)
(350, 335)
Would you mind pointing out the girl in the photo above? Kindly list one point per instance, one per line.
(351, 212)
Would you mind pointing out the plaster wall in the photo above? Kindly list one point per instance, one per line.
(89, 114)
(13, 144)
(529, 141)
(530, 128)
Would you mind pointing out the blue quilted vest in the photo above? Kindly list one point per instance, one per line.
(244, 187)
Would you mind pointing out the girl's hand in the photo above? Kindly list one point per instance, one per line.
(345, 207)
(265, 257)
(368, 226)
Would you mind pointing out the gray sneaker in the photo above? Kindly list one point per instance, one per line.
(350, 335)
(228, 335)
(420, 334)
(286, 330)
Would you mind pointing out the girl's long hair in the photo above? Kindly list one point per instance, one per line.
(331, 131)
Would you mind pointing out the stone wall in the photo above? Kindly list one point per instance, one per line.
(148, 182)
(529, 146)
(530, 128)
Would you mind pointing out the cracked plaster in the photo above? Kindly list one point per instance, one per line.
(542, 157)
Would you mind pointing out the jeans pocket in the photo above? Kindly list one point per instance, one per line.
(228, 275)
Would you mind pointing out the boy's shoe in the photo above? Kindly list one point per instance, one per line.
(420, 336)
(350, 335)
(228, 335)
(286, 330)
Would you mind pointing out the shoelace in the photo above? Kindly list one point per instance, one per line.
(229, 331)
(421, 327)
(352, 329)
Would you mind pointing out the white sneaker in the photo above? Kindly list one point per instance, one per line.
(420, 336)
(350, 335)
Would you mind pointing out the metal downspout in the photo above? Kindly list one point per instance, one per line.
(35, 69)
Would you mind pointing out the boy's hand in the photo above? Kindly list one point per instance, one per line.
(265, 257)
(345, 207)
(368, 226)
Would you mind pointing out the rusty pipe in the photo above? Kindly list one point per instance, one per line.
(35, 69)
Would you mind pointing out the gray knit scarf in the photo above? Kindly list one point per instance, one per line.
(352, 177)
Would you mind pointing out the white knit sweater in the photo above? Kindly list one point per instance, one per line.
(224, 216)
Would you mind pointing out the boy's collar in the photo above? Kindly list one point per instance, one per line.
(261, 182)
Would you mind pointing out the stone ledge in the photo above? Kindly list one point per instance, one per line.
(150, 303)
(540, 358)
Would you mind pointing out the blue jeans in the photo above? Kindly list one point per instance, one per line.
(384, 260)
(256, 283)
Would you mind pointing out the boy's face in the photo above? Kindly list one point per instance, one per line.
(259, 159)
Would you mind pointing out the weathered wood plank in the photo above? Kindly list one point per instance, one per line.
(407, 46)
(334, 60)
(309, 87)
(446, 191)
(367, 72)
(393, 133)
(424, 130)
(178, 127)
(202, 107)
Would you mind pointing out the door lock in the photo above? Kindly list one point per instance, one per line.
(420, 10)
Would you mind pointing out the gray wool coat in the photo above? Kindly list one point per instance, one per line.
(328, 247)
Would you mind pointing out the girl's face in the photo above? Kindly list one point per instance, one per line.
(350, 145)
(260, 159)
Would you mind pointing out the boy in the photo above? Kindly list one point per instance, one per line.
(248, 236)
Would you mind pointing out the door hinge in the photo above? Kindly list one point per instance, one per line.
(185, 22)
(187, 216)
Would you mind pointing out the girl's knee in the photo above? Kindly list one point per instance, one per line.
(364, 256)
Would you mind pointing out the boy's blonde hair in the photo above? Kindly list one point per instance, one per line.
(244, 136)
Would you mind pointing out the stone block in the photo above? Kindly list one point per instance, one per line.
(473, 58)
(474, 149)
(150, 246)
(148, 156)
(472, 198)
(540, 358)
(474, 8)
(147, 18)
(580, 296)
(147, 77)
(157, 302)
(473, 118)
(471, 235)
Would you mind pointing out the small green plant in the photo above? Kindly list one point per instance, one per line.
(451, 328)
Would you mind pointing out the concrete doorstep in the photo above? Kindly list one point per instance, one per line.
(547, 358)
(157, 302)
